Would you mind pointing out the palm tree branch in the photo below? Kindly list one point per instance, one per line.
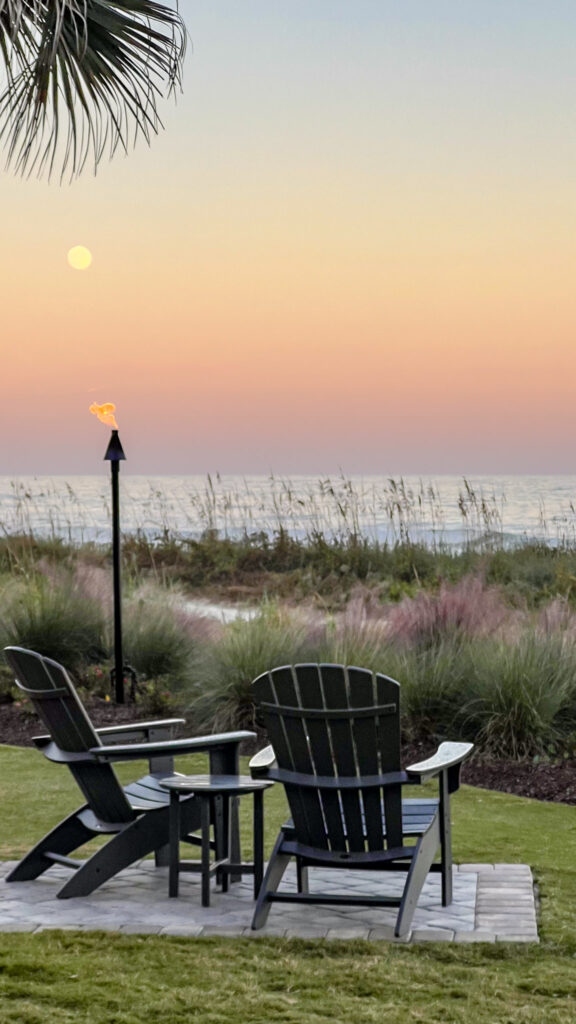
(103, 64)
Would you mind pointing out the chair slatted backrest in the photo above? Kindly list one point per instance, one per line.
(336, 721)
(49, 688)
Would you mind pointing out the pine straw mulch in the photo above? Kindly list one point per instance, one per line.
(541, 779)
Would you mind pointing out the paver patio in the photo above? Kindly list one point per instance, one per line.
(492, 903)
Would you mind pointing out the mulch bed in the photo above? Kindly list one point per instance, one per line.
(17, 727)
(542, 780)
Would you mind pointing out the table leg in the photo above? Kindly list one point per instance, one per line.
(226, 840)
(258, 853)
(220, 843)
(205, 825)
(164, 764)
(225, 760)
(174, 837)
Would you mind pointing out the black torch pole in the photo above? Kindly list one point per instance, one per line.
(115, 455)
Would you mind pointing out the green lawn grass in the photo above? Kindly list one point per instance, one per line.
(57, 977)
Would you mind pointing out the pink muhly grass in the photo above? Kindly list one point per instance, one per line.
(557, 617)
(358, 619)
(354, 638)
(467, 608)
(202, 628)
(365, 602)
(95, 583)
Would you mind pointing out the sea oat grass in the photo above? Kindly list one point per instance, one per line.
(316, 563)
(22, 552)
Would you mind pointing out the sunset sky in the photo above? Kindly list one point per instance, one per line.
(353, 247)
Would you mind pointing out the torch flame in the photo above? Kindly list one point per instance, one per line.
(105, 413)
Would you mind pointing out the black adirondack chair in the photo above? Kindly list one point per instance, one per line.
(135, 816)
(335, 746)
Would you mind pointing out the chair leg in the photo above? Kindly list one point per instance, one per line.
(445, 840)
(420, 866)
(276, 867)
(64, 839)
(162, 856)
(302, 876)
(137, 840)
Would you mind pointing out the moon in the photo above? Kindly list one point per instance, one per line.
(79, 257)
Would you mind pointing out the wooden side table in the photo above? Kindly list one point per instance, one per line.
(215, 793)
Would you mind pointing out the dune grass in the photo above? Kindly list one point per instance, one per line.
(97, 978)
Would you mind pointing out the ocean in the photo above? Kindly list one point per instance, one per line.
(449, 510)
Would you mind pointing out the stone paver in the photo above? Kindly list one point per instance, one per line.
(432, 935)
(492, 903)
(505, 904)
(479, 935)
(347, 933)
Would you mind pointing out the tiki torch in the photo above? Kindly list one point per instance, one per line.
(115, 455)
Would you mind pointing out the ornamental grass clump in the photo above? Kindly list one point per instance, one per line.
(157, 642)
(222, 696)
(59, 621)
(433, 681)
(519, 696)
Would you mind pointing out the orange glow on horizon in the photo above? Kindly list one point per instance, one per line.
(105, 413)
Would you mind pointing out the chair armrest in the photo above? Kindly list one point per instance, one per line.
(53, 752)
(129, 727)
(262, 762)
(136, 751)
(143, 727)
(448, 757)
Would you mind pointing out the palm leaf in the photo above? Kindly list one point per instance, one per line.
(83, 77)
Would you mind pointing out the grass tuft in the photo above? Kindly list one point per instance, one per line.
(59, 621)
(222, 696)
(156, 642)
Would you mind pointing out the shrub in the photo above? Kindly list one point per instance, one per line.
(8, 689)
(95, 681)
(413, 563)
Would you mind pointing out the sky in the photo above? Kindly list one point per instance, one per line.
(352, 248)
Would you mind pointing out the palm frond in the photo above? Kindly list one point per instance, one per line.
(83, 77)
